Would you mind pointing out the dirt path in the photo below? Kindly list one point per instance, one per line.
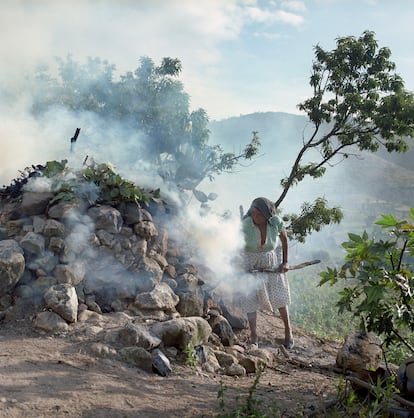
(43, 376)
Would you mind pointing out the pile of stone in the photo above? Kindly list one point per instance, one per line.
(116, 275)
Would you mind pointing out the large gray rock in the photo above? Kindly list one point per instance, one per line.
(149, 273)
(221, 328)
(34, 203)
(53, 228)
(160, 363)
(160, 298)
(106, 217)
(12, 265)
(63, 300)
(361, 352)
(33, 244)
(50, 322)
(190, 304)
(138, 335)
(133, 213)
(182, 332)
(63, 210)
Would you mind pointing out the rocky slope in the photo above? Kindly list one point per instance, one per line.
(103, 314)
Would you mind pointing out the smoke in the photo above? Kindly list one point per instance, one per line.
(218, 239)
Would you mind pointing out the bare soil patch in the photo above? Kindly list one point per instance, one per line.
(44, 376)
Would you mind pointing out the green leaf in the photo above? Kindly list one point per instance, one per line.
(387, 221)
(355, 237)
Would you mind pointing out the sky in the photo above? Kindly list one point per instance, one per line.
(238, 56)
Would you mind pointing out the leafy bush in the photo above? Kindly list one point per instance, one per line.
(96, 183)
(378, 280)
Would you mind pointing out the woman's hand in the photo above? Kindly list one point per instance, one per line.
(285, 267)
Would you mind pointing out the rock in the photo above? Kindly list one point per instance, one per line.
(235, 370)
(160, 363)
(190, 304)
(251, 363)
(63, 300)
(33, 244)
(138, 335)
(133, 213)
(150, 274)
(62, 210)
(105, 238)
(182, 332)
(14, 227)
(56, 245)
(208, 361)
(12, 265)
(50, 322)
(38, 224)
(34, 203)
(145, 229)
(405, 378)
(221, 327)
(160, 259)
(72, 274)
(88, 316)
(225, 359)
(138, 357)
(188, 281)
(53, 228)
(361, 352)
(161, 297)
(139, 247)
(106, 217)
(234, 316)
(159, 243)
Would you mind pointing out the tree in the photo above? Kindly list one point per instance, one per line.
(359, 104)
(379, 279)
(152, 101)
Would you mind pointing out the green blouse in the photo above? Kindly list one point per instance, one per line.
(252, 234)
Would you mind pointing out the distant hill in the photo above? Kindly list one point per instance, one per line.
(276, 129)
(363, 186)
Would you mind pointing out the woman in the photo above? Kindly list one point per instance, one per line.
(262, 229)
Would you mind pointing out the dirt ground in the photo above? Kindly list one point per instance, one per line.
(44, 376)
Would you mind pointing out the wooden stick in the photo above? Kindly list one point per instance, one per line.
(305, 264)
(73, 139)
(294, 267)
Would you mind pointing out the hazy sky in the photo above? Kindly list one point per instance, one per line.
(238, 56)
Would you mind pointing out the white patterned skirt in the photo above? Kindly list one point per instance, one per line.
(262, 290)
